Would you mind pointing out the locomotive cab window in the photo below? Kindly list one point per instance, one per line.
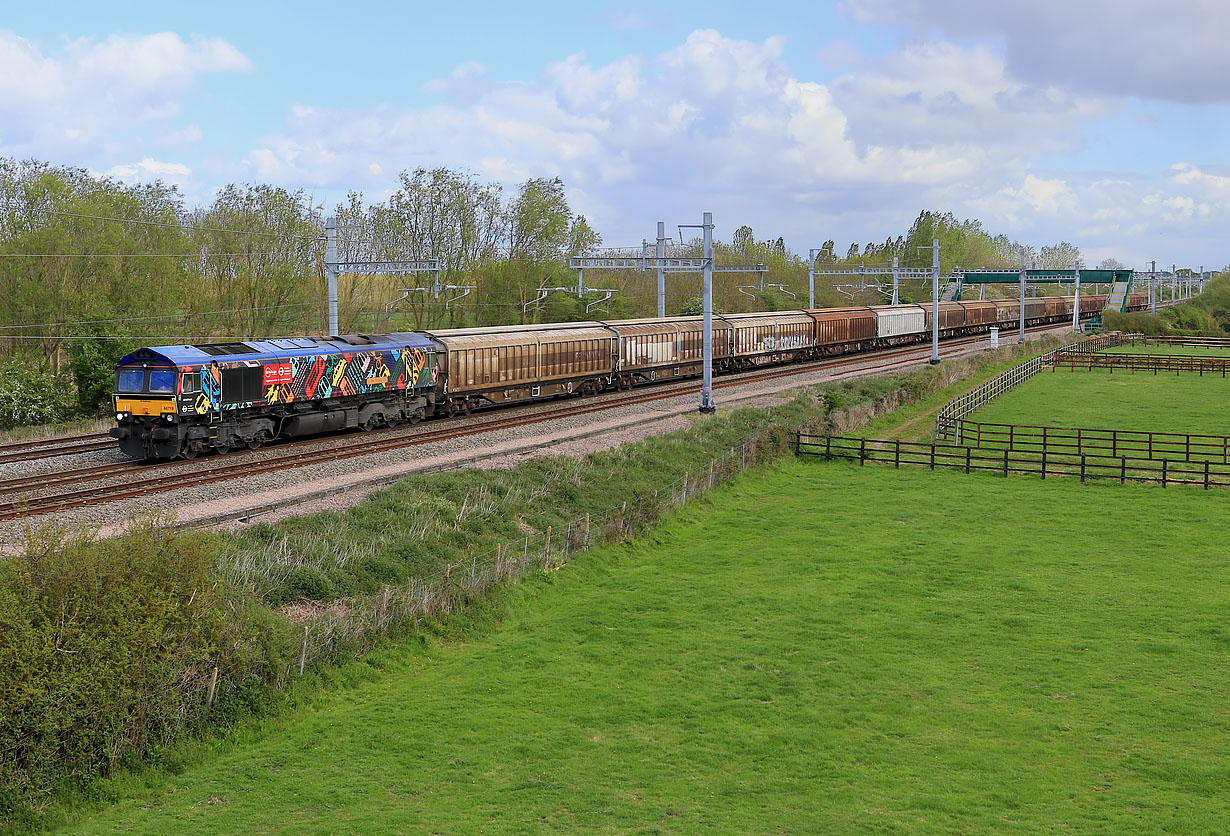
(130, 380)
(191, 383)
(162, 382)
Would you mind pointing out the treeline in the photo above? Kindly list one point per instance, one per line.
(92, 267)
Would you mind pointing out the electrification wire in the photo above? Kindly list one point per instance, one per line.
(185, 315)
(201, 254)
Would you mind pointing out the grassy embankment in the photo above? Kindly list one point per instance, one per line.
(67, 716)
(819, 648)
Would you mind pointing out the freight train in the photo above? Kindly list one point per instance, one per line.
(180, 401)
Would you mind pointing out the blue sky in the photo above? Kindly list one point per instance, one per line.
(1096, 121)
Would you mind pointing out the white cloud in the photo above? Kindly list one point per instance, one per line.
(1161, 49)
(56, 105)
(149, 170)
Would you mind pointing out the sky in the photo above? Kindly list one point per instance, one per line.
(1100, 122)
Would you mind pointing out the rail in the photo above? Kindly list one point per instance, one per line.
(1177, 363)
(945, 426)
(1123, 469)
(1194, 342)
(1078, 440)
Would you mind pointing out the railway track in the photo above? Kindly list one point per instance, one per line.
(42, 448)
(171, 475)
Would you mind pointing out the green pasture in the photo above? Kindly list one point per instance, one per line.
(1173, 350)
(818, 648)
(1098, 399)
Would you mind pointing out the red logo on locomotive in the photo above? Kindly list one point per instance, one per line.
(278, 373)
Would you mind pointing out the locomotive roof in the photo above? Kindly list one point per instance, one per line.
(277, 349)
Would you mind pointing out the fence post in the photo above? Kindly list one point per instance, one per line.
(1005, 464)
(933, 455)
(828, 445)
(1206, 481)
(587, 532)
(967, 450)
(303, 650)
(1044, 463)
(546, 549)
(897, 455)
(798, 441)
(213, 679)
(862, 452)
(1164, 472)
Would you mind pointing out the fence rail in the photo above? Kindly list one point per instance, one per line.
(1165, 472)
(1194, 342)
(945, 426)
(1102, 442)
(1177, 363)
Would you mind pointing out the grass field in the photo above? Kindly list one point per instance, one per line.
(1174, 350)
(819, 648)
(1185, 403)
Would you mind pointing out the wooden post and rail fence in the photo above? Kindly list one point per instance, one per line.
(945, 422)
(1087, 466)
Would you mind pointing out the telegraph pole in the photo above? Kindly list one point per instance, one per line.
(1021, 337)
(1076, 306)
(706, 392)
(331, 270)
(661, 269)
(1153, 287)
(935, 300)
(811, 279)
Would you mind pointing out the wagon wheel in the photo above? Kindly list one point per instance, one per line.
(189, 452)
(469, 406)
(222, 447)
(258, 440)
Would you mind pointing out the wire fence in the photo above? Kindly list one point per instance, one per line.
(1101, 442)
(1165, 472)
(1177, 363)
(946, 426)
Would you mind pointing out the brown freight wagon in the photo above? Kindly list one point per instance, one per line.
(1055, 307)
(521, 362)
(1035, 309)
(842, 330)
(1007, 310)
(761, 338)
(952, 316)
(1093, 303)
(979, 314)
(652, 348)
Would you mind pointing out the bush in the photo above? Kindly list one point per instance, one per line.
(93, 363)
(108, 648)
(32, 393)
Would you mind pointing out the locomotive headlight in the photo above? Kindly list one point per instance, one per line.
(120, 416)
(171, 418)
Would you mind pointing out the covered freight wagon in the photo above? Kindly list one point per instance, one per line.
(952, 317)
(520, 362)
(898, 323)
(979, 314)
(652, 348)
(839, 330)
(758, 338)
